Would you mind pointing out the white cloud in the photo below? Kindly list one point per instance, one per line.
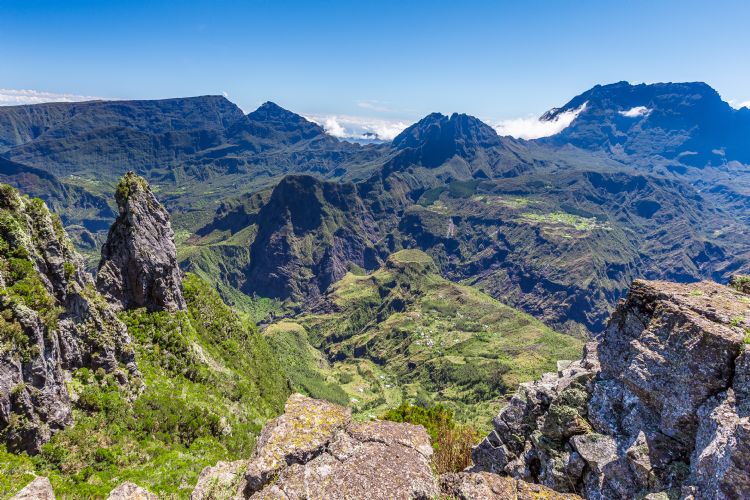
(532, 127)
(635, 112)
(739, 104)
(15, 97)
(359, 127)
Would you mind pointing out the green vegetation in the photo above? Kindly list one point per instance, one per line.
(211, 382)
(565, 219)
(430, 196)
(451, 441)
(403, 333)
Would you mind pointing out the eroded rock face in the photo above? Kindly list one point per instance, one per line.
(53, 321)
(139, 260)
(660, 406)
(315, 451)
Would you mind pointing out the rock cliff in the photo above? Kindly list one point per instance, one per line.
(660, 406)
(52, 321)
(139, 260)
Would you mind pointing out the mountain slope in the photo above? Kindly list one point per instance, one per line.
(405, 333)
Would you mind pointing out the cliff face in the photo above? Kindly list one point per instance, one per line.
(310, 231)
(52, 321)
(139, 260)
(660, 405)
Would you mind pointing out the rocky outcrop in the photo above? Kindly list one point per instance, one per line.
(38, 489)
(660, 406)
(139, 260)
(315, 450)
(52, 322)
(486, 486)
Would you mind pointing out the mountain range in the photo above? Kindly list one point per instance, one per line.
(647, 181)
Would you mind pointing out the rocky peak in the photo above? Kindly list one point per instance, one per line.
(660, 406)
(309, 232)
(53, 322)
(139, 267)
(439, 137)
(664, 119)
(271, 126)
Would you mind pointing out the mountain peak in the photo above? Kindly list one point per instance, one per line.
(439, 137)
(139, 260)
(685, 116)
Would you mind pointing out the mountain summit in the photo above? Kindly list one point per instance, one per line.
(437, 138)
(685, 122)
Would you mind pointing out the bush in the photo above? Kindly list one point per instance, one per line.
(452, 442)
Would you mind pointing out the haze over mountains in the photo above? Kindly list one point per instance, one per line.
(647, 181)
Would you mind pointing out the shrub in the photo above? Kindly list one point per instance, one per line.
(451, 441)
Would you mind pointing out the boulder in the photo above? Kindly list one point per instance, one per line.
(131, 491)
(314, 450)
(487, 486)
(38, 489)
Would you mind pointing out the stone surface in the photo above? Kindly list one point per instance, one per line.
(225, 480)
(315, 451)
(131, 491)
(139, 260)
(483, 485)
(38, 489)
(57, 323)
(659, 406)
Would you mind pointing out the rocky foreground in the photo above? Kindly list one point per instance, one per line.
(659, 409)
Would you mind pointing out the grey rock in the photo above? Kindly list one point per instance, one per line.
(38, 489)
(660, 405)
(223, 481)
(131, 491)
(139, 260)
(315, 451)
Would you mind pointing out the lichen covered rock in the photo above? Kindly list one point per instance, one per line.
(52, 321)
(658, 407)
(315, 451)
(139, 260)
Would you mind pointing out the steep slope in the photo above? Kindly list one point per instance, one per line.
(52, 322)
(659, 406)
(309, 233)
(211, 380)
(403, 332)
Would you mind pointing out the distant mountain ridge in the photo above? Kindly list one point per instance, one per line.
(556, 226)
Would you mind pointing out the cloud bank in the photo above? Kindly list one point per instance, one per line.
(739, 104)
(15, 97)
(359, 127)
(532, 127)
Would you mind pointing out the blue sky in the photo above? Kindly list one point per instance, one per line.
(388, 60)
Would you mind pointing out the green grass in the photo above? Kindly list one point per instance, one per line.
(403, 333)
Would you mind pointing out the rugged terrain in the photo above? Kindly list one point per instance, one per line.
(658, 406)
(403, 333)
(641, 170)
